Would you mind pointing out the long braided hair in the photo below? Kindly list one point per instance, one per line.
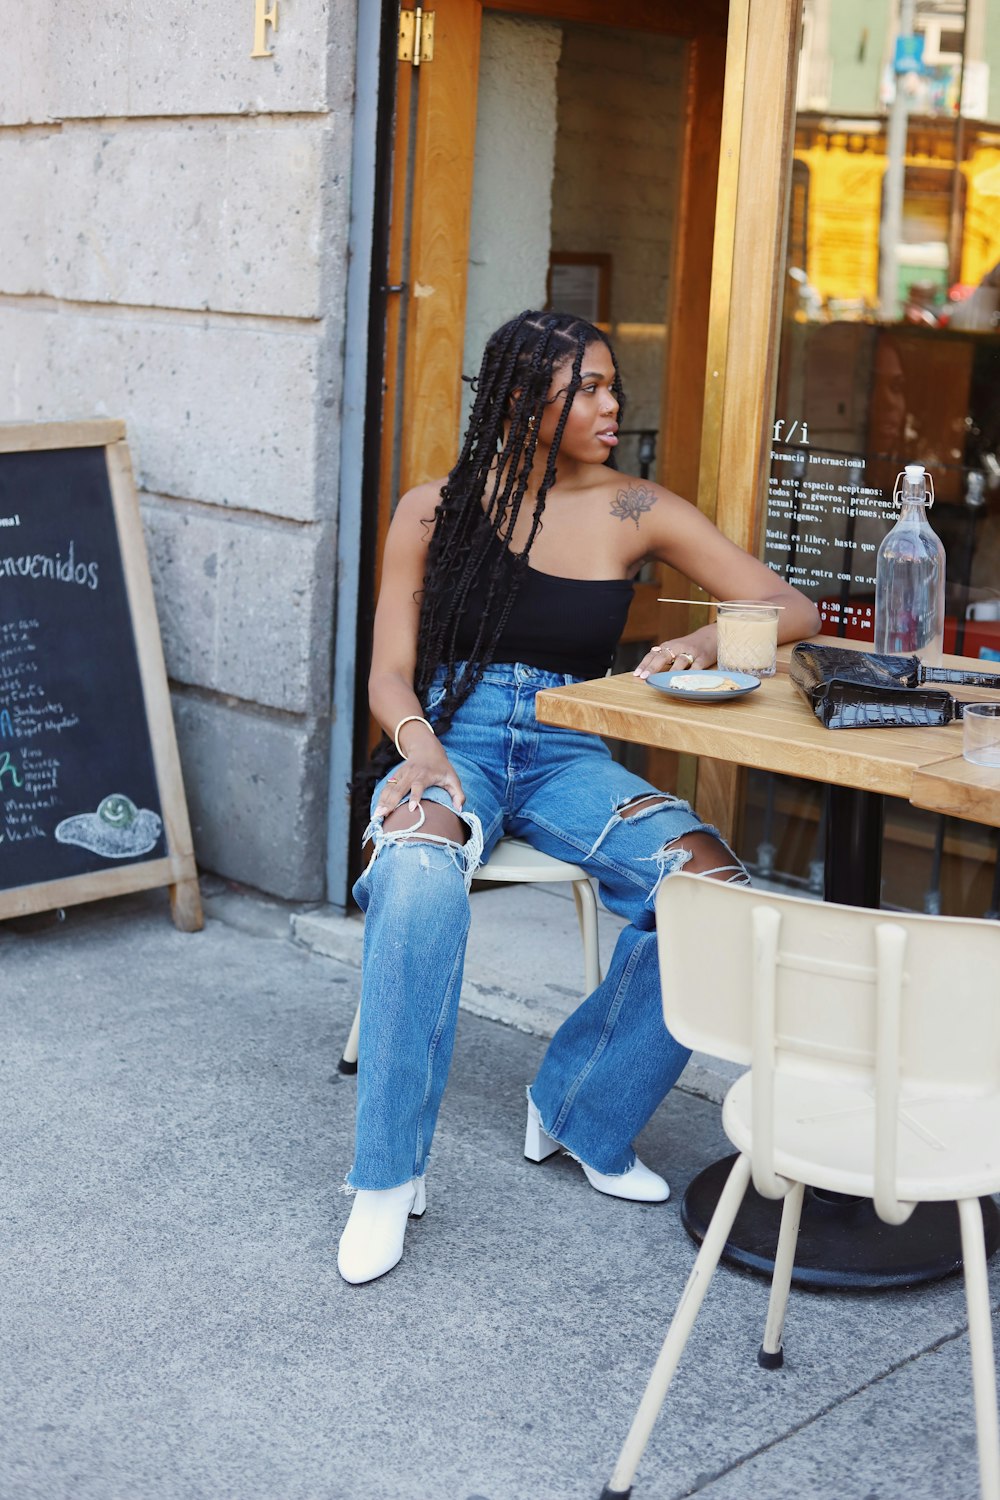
(519, 364)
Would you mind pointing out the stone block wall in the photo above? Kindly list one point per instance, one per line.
(173, 251)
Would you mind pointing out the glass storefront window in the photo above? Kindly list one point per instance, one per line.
(890, 354)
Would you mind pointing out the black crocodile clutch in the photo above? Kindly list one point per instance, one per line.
(858, 690)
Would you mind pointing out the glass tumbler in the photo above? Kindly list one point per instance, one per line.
(747, 637)
(981, 734)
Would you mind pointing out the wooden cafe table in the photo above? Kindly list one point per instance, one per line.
(842, 1243)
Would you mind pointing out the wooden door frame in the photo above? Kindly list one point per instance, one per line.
(426, 272)
(744, 322)
(433, 275)
(443, 151)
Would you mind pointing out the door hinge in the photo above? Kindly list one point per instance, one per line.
(416, 36)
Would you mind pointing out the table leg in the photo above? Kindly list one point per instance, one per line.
(842, 1241)
(843, 1244)
(853, 852)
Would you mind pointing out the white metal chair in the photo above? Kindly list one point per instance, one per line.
(874, 1045)
(514, 861)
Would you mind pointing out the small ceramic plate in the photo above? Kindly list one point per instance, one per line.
(666, 682)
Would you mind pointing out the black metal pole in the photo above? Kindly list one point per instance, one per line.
(853, 850)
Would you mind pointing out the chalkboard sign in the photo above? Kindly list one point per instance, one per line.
(91, 798)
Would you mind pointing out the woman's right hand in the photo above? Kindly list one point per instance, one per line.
(427, 765)
(698, 649)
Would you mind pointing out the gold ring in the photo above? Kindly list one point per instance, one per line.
(686, 655)
(392, 778)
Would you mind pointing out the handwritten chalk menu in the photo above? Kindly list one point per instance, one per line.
(91, 800)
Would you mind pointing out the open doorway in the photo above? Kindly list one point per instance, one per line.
(534, 156)
(578, 156)
(576, 188)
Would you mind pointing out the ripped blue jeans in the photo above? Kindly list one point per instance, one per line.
(612, 1061)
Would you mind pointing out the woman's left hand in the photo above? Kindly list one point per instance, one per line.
(679, 654)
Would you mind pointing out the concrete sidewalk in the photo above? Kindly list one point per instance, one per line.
(174, 1133)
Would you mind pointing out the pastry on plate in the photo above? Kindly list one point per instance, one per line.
(704, 682)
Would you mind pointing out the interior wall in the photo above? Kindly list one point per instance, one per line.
(514, 164)
(618, 159)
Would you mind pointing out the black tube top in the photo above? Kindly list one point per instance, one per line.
(556, 624)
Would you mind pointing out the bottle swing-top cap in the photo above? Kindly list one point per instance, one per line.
(914, 486)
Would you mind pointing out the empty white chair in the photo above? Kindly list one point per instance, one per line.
(515, 861)
(874, 1048)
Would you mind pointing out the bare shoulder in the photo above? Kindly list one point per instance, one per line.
(639, 501)
(417, 506)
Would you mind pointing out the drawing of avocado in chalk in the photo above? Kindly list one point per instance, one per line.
(117, 830)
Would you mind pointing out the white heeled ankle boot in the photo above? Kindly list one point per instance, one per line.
(638, 1184)
(372, 1241)
(537, 1145)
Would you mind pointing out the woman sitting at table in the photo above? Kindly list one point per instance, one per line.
(511, 575)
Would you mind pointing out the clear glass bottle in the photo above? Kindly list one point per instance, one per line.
(909, 575)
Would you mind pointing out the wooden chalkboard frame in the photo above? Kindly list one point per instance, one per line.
(177, 868)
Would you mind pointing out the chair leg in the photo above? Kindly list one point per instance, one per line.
(349, 1062)
(620, 1483)
(977, 1296)
(769, 1355)
(586, 911)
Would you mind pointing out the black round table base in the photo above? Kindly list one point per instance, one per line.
(843, 1244)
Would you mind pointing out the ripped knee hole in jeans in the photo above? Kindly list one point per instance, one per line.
(675, 854)
(467, 857)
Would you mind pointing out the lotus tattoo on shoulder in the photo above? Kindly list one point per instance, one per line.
(630, 504)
